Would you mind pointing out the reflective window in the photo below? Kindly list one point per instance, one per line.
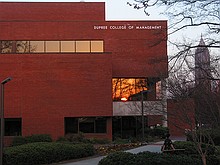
(100, 125)
(22, 46)
(68, 46)
(88, 46)
(86, 125)
(52, 46)
(96, 46)
(129, 88)
(13, 127)
(6, 46)
(37, 46)
(71, 125)
(158, 90)
(82, 46)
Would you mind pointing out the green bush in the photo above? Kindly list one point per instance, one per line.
(157, 131)
(45, 153)
(216, 136)
(190, 148)
(62, 139)
(118, 158)
(147, 158)
(19, 140)
(214, 133)
(213, 154)
(77, 138)
(38, 138)
(99, 141)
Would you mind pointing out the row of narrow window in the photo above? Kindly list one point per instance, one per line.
(81, 46)
(13, 126)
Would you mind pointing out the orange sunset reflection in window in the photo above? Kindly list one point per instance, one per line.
(123, 88)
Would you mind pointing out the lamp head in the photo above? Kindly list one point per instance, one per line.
(6, 80)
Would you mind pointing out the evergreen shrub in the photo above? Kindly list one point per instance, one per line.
(45, 153)
(147, 158)
(19, 140)
(118, 158)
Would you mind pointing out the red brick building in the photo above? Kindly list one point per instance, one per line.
(69, 67)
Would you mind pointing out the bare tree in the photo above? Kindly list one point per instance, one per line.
(192, 15)
(187, 14)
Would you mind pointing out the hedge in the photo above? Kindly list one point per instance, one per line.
(213, 152)
(147, 158)
(20, 140)
(118, 158)
(45, 153)
(214, 133)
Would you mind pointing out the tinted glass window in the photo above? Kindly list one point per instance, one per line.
(52, 46)
(82, 46)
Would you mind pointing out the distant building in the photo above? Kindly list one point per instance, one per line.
(202, 66)
(206, 100)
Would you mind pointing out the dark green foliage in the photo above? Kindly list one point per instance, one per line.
(213, 160)
(45, 153)
(118, 158)
(148, 158)
(188, 146)
(214, 134)
(38, 138)
(99, 141)
(62, 139)
(19, 140)
(77, 138)
(157, 131)
(213, 154)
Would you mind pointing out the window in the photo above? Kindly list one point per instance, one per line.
(100, 125)
(6, 46)
(158, 90)
(85, 125)
(96, 46)
(52, 46)
(85, 46)
(129, 88)
(71, 125)
(22, 46)
(82, 46)
(13, 127)
(37, 46)
(68, 46)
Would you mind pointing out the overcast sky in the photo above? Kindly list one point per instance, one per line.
(115, 9)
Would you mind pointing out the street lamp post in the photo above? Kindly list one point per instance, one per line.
(2, 117)
(142, 111)
(142, 114)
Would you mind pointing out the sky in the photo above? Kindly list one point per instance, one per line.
(115, 9)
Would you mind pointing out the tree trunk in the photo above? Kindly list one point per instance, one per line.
(203, 159)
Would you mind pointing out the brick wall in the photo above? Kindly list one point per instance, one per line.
(181, 116)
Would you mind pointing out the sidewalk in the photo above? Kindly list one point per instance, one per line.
(155, 147)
